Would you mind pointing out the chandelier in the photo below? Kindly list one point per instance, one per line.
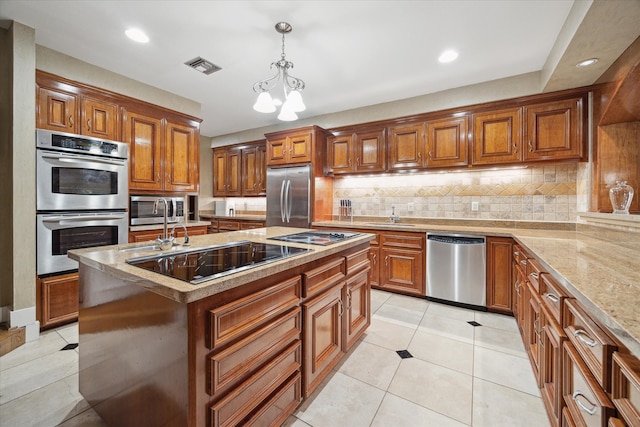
(291, 86)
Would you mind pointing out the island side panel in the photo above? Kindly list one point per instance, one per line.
(133, 352)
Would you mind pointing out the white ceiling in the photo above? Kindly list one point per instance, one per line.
(349, 53)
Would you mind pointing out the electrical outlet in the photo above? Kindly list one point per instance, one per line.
(409, 207)
(475, 206)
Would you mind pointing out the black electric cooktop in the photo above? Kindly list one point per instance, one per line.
(316, 237)
(199, 265)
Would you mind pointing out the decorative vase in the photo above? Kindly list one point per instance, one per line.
(621, 195)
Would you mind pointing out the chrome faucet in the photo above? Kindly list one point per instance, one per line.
(166, 209)
(393, 218)
(186, 236)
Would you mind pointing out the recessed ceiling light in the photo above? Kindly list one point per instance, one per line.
(587, 62)
(137, 35)
(448, 56)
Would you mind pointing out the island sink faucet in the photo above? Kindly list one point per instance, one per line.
(166, 209)
(394, 218)
(186, 236)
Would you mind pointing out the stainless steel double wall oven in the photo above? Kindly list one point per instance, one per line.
(81, 197)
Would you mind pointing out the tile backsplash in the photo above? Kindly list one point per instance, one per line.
(538, 193)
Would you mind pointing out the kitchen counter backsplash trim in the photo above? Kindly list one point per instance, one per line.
(603, 275)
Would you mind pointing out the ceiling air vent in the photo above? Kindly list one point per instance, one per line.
(202, 65)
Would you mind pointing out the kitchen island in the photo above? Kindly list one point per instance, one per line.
(241, 349)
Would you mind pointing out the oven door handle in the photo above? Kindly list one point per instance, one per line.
(62, 219)
(80, 160)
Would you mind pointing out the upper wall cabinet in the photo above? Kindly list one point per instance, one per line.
(240, 170)
(406, 146)
(65, 108)
(355, 152)
(496, 137)
(446, 142)
(254, 170)
(289, 149)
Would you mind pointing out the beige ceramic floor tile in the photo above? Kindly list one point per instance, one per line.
(388, 335)
(399, 316)
(409, 303)
(48, 343)
(451, 312)
(395, 411)
(378, 298)
(497, 321)
(447, 327)
(500, 340)
(450, 353)
(49, 405)
(342, 401)
(294, 422)
(69, 333)
(498, 406)
(88, 418)
(27, 377)
(442, 390)
(371, 364)
(504, 369)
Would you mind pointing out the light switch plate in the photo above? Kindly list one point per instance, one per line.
(409, 207)
(475, 206)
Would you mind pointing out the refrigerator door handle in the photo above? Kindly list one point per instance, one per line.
(282, 202)
(289, 200)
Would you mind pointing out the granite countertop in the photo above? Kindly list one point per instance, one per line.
(602, 275)
(169, 226)
(112, 260)
(240, 216)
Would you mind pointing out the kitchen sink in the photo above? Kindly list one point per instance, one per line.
(153, 247)
(393, 224)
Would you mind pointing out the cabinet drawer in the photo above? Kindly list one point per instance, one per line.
(276, 410)
(625, 387)
(553, 296)
(229, 366)
(224, 225)
(235, 319)
(588, 404)
(403, 240)
(617, 422)
(250, 225)
(534, 270)
(357, 261)
(240, 402)
(592, 343)
(520, 259)
(323, 277)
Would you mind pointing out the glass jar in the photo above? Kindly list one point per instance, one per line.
(621, 195)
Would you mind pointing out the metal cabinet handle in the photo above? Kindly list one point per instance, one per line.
(430, 156)
(89, 124)
(530, 147)
(534, 275)
(349, 299)
(386, 260)
(158, 177)
(374, 258)
(516, 253)
(341, 312)
(349, 161)
(552, 297)
(419, 155)
(515, 149)
(523, 262)
(590, 411)
(357, 161)
(581, 334)
(70, 121)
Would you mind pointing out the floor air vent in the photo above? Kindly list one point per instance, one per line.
(202, 65)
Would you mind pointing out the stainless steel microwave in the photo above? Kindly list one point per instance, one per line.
(141, 210)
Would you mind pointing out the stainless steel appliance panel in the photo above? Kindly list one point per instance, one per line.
(289, 196)
(141, 210)
(58, 233)
(456, 269)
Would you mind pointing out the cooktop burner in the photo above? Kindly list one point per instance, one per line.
(316, 237)
(199, 265)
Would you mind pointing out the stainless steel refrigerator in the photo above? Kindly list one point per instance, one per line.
(289, 196)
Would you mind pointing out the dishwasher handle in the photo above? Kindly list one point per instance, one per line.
(456, 240)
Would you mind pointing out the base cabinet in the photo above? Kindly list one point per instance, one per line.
(499, 275)
(402, 263)
(58, 300)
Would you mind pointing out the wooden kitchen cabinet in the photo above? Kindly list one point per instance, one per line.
(499, 274)
(254, 170)
(57, 300)
(143, 133)
(182, 156)
(227, 175)
(406, 146)
(293, 148)
(520, 260)
(57, 110)
(625, 392)
(149, 235)
(554, 130)
(497, 137)
(99, 118)
(446, 142)
(552, 338)
(363, 150)
(402, 262)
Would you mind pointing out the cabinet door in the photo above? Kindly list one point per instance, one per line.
(406, 145)
(533, 325)
(59, 300)
(99, 118)
(339, 154)
(145, 151)
(374, 257)
(57, 110)
(322, 320)
(401, 271)
(499, 276)
(253, 171)
(551, 341)
(219, 172)
(369, 150)
(277, 151)
(496, 137)
(234, 172)
(261, 173)
(554, 130)
(357, 317)
(182, 154)
(299, 148)
(447, 142)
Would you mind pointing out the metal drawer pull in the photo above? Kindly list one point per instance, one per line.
(552, 297)
(580, 334)
(534, 275)
(523, 262)
(341, 312)
(590, 411)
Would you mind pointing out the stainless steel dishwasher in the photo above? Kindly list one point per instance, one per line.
(456, 270)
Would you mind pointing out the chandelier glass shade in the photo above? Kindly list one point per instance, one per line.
(291, 86)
